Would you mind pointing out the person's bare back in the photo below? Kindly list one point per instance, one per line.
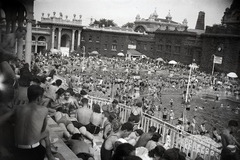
(30, 123)
(96, 119)
(84, 115)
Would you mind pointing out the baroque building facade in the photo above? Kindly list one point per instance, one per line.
(200, 45)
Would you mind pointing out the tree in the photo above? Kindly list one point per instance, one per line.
(129, 25)
(105, 22)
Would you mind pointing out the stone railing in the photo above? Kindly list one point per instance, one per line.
(171, 136)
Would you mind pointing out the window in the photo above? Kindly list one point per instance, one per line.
(168, 48)
(83, 39)
(122, 47)
(105, 47)
(151, 47)
(90, 38)
(145, 47)
(97, 40)
(177, 49)
(114, 45)
(160, 47)
(89, 49)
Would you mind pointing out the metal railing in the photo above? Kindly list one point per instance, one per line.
(171, 136)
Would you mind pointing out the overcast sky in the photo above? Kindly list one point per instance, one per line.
(123, 11)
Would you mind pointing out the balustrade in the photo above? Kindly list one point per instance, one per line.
(171, 136)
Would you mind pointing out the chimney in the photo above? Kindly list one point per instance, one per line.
(200, 21)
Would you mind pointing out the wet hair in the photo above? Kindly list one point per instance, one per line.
(60, 91)
(123, 150)
(152, 129)
(84, 101)
(33, 92)
(157, 151)
(36, 79)
(96, 108)
(156, 137)
(233, 123)
(127, 126)
(58, 82)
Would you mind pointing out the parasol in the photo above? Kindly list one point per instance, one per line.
(232, 75)
(94, 53)
(120, 54)
(160, 59)
(172, 62)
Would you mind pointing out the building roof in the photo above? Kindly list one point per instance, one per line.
(114, 29)
(197, 31)
(134, 52)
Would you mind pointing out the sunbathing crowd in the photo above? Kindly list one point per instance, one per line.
(30, 96)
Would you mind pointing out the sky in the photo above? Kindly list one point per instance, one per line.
(123, 11)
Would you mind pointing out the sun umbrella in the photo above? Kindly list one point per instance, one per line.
(232, 75)
(120, 54)
(160, 59)
(172, 62)
(94, 53)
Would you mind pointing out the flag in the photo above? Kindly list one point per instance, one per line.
(217, 59)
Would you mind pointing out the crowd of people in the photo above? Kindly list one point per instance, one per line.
(59, 87)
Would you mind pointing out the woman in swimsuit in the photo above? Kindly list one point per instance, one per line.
(96, 120)
(136, 112)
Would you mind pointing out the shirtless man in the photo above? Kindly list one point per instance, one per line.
(83, 114)
(109, 143)
(228, 139)
(69, 101)
(30, 127)
(145, 137)
(7, 52)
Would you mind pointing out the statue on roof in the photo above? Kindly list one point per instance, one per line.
(155, 15)
(138, 17)
(169, 17)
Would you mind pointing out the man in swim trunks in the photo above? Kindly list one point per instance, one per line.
(95, 120)
(83, 114)
(30, 127)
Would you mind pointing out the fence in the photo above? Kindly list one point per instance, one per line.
(171, 136)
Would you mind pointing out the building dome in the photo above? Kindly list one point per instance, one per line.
(155, 13)
(169, 17)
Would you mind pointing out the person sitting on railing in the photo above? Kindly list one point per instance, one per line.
(164, 114)
(136, 112)
(114, 108)
(145, 137)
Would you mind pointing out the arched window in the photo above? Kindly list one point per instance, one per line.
(41, 38)
(114, 45)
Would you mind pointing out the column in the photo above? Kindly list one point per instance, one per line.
(36, 44)
(53, 34)
(20, 48)
(59, 37)
(46, 45)
(20, 41)
(73, 35)
(79, 38)
(28, 44)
